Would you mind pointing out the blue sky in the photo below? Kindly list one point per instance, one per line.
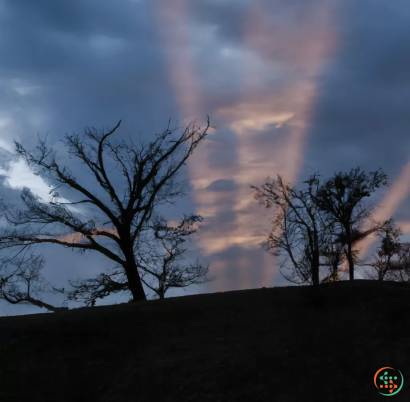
(292, 88)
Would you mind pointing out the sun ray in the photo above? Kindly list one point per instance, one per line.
(309, 45)
(397, 194)
(259, 108)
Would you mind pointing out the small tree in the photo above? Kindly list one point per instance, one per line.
(341, 197)
(335, 250)
(21, 281)
(386, 259)
(160, 263)
(401, 269)
(298, 227)
(148, 171)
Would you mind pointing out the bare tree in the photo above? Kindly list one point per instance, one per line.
(149, 172)
(160, 263)
(400, 272)
(341, 197)
(163, 269)
(89, 290)
(386, 259)
(298, 227)
(21, 281)
(335, 250)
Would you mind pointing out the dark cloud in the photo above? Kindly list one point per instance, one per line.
(362, 108)
(226, 17)
(85, 63)
(222, 185)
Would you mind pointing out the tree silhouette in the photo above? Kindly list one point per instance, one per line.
(341, 197)
(298, 228)
(387, 256)
(21, 281)
(159, 257)
(335, 250)
(400, 271)
(148, 171)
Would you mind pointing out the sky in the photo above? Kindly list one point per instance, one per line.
(291, 88)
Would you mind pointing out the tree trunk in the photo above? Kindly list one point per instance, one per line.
(131, 270)
(349, 253)
(161, 294)
(315, 276)
(335, 268)
(135, 286)
(315, 269)
(384, 271)
(316, 260)
(134, 280)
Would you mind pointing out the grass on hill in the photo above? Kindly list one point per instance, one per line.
(277, 344)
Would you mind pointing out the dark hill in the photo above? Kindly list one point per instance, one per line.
(277, 344)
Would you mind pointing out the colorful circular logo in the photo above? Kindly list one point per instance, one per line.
(388, 381)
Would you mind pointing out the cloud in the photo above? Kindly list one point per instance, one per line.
(18, 175)
(222, 185)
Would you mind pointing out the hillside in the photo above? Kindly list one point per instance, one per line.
(277, 344)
